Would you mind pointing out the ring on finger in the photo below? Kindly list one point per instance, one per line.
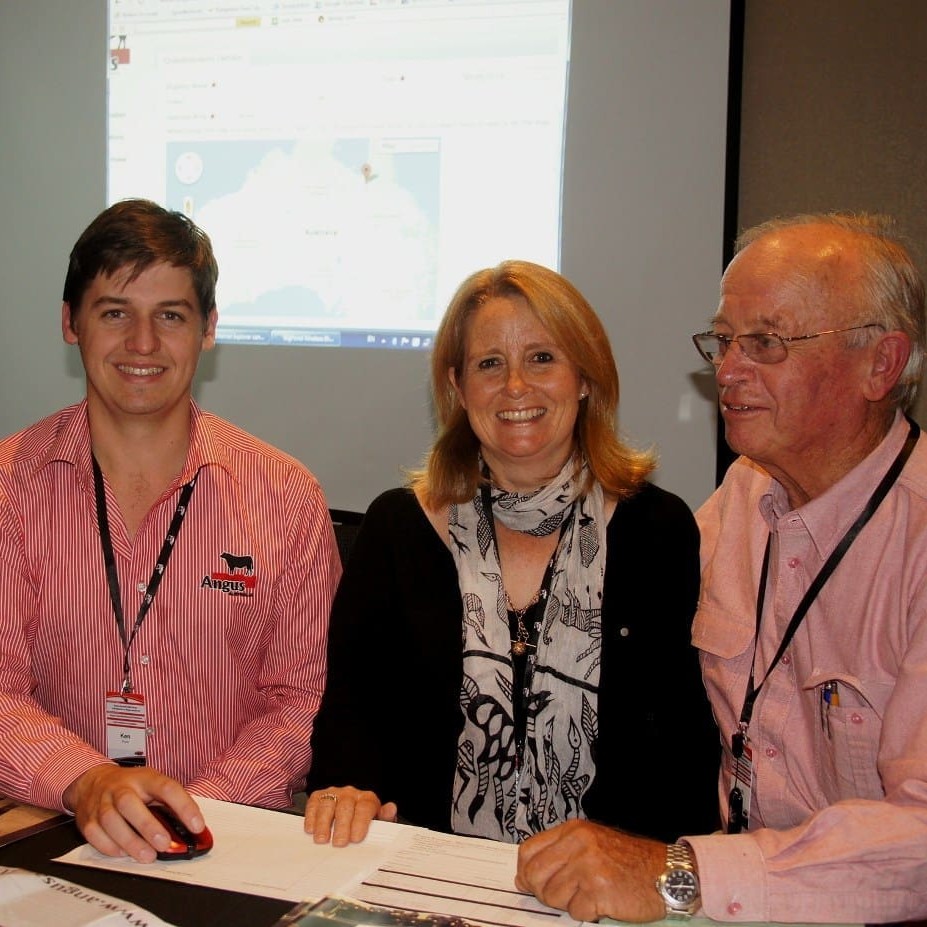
(328, 797)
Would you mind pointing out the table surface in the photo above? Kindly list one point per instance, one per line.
(176, 903)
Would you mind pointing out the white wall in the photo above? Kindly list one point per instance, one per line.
(643, 201)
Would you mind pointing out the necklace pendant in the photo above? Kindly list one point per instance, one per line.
(519, 648)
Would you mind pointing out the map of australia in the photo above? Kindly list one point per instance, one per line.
(315, 234)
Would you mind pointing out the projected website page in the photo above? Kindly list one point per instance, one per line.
(352, 160)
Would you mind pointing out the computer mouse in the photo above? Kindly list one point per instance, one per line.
(184, 844)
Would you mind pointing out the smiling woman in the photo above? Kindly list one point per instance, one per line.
(493, 642)
(521, 393)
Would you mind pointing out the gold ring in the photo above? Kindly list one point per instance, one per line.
(328, 797)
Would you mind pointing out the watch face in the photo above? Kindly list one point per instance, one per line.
(681, 886)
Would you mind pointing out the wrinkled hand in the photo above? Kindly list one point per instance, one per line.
(593, 871)
(346, 819)
(109, 805)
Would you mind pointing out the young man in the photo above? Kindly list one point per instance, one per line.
(165, 578)
(812, 620)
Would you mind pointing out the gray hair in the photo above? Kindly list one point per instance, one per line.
(891, 291)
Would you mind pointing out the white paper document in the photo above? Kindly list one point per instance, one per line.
(258, 852)
(462, 877)
(31, 900)
(267, 853)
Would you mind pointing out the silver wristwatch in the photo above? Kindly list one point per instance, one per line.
(678, 883)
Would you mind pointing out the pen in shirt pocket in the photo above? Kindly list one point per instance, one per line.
(830, 698)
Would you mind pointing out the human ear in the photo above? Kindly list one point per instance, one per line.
(889, 356)
(209, 330)
(68, 331)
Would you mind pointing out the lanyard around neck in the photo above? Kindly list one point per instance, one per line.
(112, 576)
(823, 575)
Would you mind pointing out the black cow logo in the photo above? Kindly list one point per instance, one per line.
(234, 562)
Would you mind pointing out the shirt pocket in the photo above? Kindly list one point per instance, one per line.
(725, 644)
(721, 634)
(850, 735)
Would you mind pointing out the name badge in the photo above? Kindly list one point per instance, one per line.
(126, 728)
(738, 811)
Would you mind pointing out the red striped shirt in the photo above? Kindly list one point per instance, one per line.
(231, 660)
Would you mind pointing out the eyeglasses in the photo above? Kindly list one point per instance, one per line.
(762, 347)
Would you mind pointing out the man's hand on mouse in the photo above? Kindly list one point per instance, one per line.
(184, 844)
(109, 804)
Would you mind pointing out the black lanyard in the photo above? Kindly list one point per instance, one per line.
(739, 738)
(112, 576)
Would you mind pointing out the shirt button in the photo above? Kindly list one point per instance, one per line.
(793, 562)
(734, 907)
(145, 659)
(624, 632)
(856, 719)
(772, 752)
(149, 731)
(142, 587)
(786, 659)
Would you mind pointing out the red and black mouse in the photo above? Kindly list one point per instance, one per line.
(184, 844)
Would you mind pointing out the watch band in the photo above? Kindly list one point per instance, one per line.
(679, 856)
(678, 885)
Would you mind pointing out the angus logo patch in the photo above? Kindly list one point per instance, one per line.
(236, 579)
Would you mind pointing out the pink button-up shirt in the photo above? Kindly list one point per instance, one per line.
(231, 657)
(838, 822)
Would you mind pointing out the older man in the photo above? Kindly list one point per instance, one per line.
(812, 622)
(165, 578)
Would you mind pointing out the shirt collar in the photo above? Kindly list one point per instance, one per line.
(827, 517)
(72, 443)
(205, 449)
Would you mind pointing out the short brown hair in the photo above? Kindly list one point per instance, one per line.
(137, 234)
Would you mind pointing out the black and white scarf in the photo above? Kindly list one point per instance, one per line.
(492, 796)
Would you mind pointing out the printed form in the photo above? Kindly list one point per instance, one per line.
(263, 852)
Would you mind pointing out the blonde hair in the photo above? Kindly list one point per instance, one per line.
(451, 469)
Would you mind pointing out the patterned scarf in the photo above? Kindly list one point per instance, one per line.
(492, 797)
